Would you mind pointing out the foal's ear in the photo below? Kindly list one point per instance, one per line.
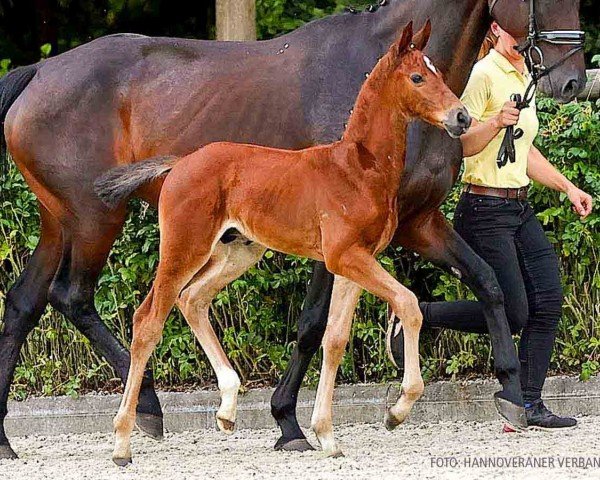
(421, 38)
(405, 40)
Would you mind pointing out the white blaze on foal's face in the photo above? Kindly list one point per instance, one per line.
(430, 64)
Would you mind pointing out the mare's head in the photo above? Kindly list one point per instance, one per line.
(558, 21)
(418, 88)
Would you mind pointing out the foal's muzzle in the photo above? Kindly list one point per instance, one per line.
(457, 122)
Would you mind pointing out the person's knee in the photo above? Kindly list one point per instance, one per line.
(546, 310)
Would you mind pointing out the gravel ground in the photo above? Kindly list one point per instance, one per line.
(412, 451)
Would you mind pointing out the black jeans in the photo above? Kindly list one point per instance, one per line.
(508, 236)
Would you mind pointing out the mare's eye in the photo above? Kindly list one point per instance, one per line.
(416, 78)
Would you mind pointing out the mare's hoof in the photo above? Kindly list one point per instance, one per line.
(150, 424)
(390, 421)
(226, 426)
(295, 445)
(122, 462)
(7, 453)
(511, 412)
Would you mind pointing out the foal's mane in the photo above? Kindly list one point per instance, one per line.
(372, 91)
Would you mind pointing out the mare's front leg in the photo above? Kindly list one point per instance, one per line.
(435, 239)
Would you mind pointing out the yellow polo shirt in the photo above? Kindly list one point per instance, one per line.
(493, 80)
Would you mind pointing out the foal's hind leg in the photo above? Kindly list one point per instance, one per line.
(24, 305)
(227, 263)
(148, 322)
(185, 249)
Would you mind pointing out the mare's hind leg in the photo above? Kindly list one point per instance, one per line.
(227, 263)
(24, 305)
(85, 250)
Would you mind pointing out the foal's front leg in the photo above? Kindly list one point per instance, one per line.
(343, 303)
(363, 268)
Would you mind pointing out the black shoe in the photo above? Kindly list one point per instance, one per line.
(394, 341)
(539, 417)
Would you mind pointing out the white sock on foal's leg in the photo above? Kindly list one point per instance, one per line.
(229, 386)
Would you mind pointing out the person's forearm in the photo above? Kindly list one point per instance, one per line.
(479, 136)
(542, 171)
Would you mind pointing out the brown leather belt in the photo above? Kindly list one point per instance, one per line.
(513, 193)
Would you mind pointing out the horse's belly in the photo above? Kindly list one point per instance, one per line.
(281, 234)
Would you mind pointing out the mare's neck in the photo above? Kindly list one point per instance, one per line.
(459, 28)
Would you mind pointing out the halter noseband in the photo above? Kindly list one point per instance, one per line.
(534, 59)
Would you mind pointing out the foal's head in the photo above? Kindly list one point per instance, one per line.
(411, 82)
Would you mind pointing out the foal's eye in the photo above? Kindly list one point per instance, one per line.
(416, 78)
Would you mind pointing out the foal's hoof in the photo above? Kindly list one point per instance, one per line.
(122, 462)
(335, 454)
(226, 426)
(150, 424)
(7, 453)
(511, 412)
(295, 445)
(390, 421)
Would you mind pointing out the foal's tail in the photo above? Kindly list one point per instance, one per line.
(118, 184)
(11, 86)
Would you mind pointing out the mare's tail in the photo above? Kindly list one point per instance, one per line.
(119, 183)
(11, 86)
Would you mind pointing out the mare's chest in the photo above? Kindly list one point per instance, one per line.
(432, 165)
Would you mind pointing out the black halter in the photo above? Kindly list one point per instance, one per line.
(534, 59)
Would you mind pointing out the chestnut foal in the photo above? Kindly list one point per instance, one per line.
(334, 203)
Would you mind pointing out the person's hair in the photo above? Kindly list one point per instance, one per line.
(488, 44)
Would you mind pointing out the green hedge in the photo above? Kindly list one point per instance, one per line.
(256, 316)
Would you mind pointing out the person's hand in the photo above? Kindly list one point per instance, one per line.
(509, 115)
(582, 202)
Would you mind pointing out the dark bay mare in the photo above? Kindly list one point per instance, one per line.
(124, 98)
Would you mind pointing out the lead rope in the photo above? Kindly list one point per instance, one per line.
(507, 151)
